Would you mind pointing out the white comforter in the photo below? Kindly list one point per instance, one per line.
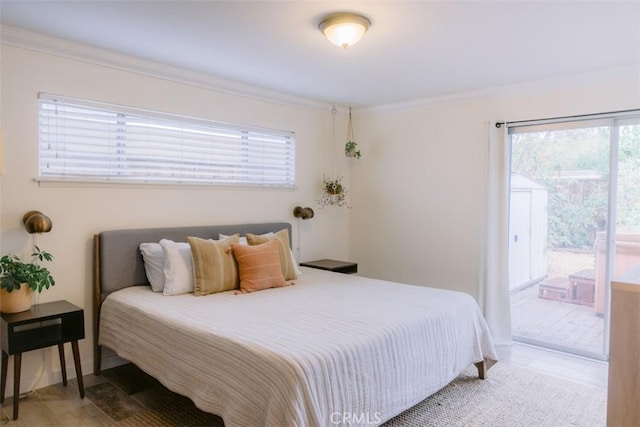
(332, 350)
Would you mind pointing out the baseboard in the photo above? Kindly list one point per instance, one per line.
(30, 377)
(32, 380)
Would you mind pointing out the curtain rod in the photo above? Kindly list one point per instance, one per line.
(566, 118)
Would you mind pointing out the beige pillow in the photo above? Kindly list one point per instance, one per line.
(214, 267)
(259, 266)
(282, 237)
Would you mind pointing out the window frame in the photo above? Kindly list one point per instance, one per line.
(96, 142)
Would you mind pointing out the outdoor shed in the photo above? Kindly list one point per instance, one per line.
(527, 231)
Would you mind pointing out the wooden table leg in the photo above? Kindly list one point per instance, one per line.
(3, 378)
(17, 363)
(63, 364)
(76, 361)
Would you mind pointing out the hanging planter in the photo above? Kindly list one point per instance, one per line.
(351, 147)
(351, 150)
(333, 192)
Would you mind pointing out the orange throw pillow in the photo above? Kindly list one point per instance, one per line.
(282, 237)
(259, 266)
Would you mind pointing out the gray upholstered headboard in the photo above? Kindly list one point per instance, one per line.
(118, 262)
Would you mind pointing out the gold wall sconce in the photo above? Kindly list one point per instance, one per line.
(303, 213)
(36, 222)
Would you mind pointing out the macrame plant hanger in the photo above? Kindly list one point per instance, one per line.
(334, 111)
(350, 137)
(333, 192)
(351, 147)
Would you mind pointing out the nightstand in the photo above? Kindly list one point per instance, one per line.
(43, 325)
(345, 267)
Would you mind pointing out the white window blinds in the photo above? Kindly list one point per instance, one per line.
(91, 141)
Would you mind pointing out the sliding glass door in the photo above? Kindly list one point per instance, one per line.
(573, 225)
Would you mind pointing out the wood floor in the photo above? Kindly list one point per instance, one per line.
(553, 363)
(121, 392)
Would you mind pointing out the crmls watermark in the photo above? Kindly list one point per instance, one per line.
(352, 418)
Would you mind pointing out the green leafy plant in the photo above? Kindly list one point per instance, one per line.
(334, 192)
(351, 149)
(14, 272)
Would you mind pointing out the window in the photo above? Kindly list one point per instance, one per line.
(92, 141)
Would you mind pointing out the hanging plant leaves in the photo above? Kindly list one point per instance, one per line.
(351, 150)
(334, 192)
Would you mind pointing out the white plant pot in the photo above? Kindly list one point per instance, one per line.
(16, 301)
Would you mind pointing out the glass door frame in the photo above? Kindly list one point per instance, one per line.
(611, 230)
(613, 121)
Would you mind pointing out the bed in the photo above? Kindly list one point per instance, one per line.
(333, 349)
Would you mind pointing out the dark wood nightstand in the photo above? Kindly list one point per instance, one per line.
(345, 267)
(43, 325)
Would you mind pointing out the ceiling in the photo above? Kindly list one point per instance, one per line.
(413, 50)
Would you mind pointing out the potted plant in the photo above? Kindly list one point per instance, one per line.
(351, 149)
(333, 192)
(18, 280)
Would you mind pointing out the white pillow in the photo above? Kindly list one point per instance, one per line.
(178, 267)
(153, 258)
(243, 239)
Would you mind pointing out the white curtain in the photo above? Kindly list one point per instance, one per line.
(494, 268)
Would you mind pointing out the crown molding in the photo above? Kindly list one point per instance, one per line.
(16, 37)
(516, 89)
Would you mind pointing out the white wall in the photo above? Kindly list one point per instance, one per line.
(416, 194)
(78, 211)
(418, 189)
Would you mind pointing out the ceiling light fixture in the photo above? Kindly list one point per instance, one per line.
(344, 29)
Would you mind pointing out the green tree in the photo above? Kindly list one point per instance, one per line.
(554, 159)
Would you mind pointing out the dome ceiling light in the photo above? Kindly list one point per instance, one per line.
(344, 29)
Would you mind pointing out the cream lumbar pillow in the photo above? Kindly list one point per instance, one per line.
(259, 267)
(214, 267)
(286, 258)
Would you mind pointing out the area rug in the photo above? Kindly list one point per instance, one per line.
(509, 397)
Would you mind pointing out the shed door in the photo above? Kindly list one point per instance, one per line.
(520, 238)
